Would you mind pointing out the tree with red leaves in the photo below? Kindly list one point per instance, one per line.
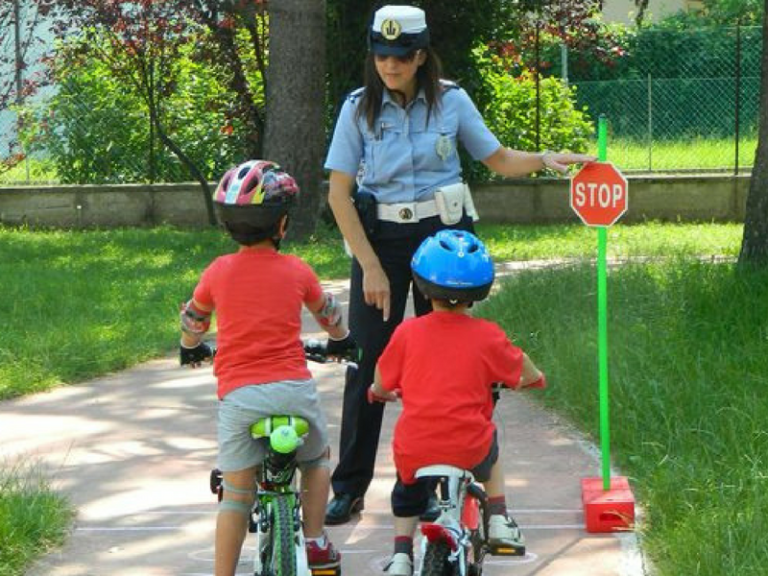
(140, 41)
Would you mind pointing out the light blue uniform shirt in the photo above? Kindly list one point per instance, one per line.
(404, 158)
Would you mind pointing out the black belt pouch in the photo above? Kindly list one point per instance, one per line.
(365, 203)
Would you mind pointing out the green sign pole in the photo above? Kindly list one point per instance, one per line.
(602, 321)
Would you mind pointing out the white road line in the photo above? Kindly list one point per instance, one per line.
(128, 529)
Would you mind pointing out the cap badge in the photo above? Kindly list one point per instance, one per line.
(391, 29)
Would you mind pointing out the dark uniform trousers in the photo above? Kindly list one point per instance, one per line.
(395, 245)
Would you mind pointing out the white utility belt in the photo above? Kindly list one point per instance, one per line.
(449, 203)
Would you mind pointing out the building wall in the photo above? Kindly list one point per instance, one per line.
(624, 10)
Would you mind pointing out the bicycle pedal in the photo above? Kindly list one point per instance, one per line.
(326, 571)
(507, 550)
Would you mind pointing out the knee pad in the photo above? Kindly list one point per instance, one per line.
(229, 502)
(238, 506)
(239, 491)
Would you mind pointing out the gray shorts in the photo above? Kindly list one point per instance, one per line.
(244, 406)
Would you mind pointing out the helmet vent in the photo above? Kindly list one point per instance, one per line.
(445, 245)
(243, 172)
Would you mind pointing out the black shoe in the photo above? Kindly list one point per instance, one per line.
(433, 510)
(341, 508)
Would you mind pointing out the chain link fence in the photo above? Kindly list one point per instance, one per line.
(689, 101)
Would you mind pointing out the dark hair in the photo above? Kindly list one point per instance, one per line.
(247, 234)
(427, 77)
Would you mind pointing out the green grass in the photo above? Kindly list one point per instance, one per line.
(33, 518)
(676, 155)
(40, 172)
(688, 374)
(81, 303)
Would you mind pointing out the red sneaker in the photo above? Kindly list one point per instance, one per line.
(327, 557)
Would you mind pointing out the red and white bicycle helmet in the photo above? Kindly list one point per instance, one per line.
(252, 198)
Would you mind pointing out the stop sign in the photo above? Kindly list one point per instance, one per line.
(599, 194)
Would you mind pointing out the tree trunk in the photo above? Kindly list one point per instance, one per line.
(186, 161)
(295, 126)
(754, 245)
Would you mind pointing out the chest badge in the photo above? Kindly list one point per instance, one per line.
(444, 147)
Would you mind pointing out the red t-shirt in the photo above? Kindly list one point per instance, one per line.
(258, 296)
(444, 365)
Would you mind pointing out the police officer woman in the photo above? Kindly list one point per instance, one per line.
(396, 138)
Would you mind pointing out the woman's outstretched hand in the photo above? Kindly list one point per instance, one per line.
(559, 161)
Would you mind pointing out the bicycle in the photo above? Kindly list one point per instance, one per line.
(456, 543)
(276, 514)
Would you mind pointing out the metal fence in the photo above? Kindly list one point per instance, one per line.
(688, 101)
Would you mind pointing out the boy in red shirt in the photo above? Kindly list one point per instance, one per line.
(442, 366)
(260, 364)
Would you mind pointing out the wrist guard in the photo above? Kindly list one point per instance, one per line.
(193, 320)
(330, 313)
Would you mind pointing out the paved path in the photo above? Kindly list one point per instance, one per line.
(133, 451)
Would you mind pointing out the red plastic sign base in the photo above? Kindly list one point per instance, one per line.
(608, 511)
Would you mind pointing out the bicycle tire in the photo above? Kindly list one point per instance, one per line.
(283, 560)
(435, 562)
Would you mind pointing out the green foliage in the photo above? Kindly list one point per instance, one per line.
(96, 128)
(510, 111)
(33, 518)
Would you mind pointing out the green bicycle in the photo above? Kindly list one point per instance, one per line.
(276, 514)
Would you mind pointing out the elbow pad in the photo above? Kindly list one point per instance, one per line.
(330, 313)
(193, 320)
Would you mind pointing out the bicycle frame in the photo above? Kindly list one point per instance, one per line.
(276, 514)
(462, 523)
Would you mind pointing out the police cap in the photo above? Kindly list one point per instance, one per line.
(398, 30)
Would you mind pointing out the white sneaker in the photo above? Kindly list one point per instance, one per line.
(503, 531)
(400, 565)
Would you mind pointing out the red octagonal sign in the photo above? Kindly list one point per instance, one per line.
(599, 194)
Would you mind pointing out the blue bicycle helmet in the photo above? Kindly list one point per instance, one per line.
(453, 265)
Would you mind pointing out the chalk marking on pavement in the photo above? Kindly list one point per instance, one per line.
(374, 527)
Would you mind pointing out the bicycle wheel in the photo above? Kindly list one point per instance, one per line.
(435, 562)
(283, 562)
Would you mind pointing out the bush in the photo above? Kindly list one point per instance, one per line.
(96, 128)
(508, 105)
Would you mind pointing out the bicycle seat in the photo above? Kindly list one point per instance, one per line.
(444, 470)
(264, 427)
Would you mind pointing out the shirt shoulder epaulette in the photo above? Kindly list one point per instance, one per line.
(355, 94)
(448, 85)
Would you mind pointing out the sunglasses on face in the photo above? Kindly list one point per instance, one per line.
(404, 59)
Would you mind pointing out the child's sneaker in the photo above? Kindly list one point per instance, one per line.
(327, 557)
(400, 565)
(504, 536)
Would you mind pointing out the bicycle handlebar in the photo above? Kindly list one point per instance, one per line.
(317, 351)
